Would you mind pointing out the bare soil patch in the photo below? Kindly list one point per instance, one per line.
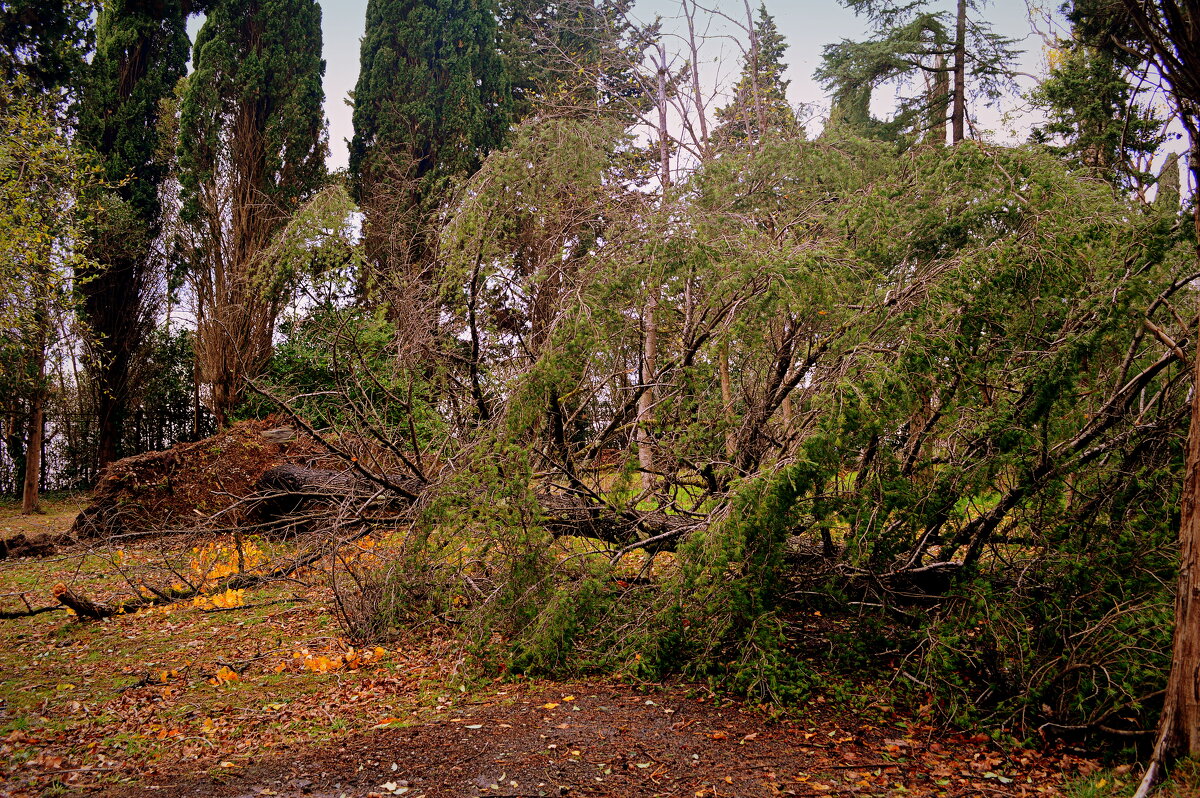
(605, 739)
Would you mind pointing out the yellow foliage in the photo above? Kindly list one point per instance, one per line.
(228, 600)
(323, 664)
(215, 561)
(226, 675)
(352, 659)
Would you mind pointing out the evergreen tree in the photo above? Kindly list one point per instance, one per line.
(142, 50)
(432, 99)
(1166, 35)
(44, 42)
(1094, 115)
(570, 57)
(938, 50)
(759, 106)
(252, 149)
(853, 70)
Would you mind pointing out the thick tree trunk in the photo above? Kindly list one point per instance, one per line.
(111, 413)
(113, 306)
(960, 74)
(1179, 724)
(939, 100)
(37, 421)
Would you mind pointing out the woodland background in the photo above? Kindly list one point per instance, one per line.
(619, 372)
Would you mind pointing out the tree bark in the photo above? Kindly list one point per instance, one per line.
(37, 405)
(938, 102)
(727, 403)
(645, 440)
(960, 74)
(1179, 723)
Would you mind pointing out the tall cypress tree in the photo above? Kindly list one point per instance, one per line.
(432, 99)
(142, 50)
(252, 148)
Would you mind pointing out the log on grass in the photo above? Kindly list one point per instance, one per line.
(83, 606)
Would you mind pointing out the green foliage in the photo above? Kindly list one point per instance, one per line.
(255, 98)
(43, 226)
(726, 623)
(432, 95)
(44, 43)
(981, 356)
(570, 58)
(251, 152)
(1095, 117)
(139, 58)
(759, 108)
(912, 48)
(141, 54)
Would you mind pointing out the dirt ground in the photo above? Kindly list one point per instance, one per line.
(259, 694)
(598, 739)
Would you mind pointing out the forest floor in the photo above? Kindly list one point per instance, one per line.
(266, 698)
(59, 510)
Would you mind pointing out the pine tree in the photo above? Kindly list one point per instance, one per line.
(759, 107)
(142, 50)
(432, 99)
(252, 149)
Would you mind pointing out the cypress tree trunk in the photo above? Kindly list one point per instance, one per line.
(938, 102)
(960, 74)
(1179, 724)
(37, 403)
(251, 151)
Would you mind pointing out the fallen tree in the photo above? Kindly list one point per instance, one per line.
(287, 494)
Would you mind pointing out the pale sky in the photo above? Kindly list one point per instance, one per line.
(808, 25)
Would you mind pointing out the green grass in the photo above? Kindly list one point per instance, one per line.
(1182, 781)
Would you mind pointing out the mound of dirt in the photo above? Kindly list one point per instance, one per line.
(180, 486)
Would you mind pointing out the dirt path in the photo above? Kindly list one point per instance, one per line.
(608, 740)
